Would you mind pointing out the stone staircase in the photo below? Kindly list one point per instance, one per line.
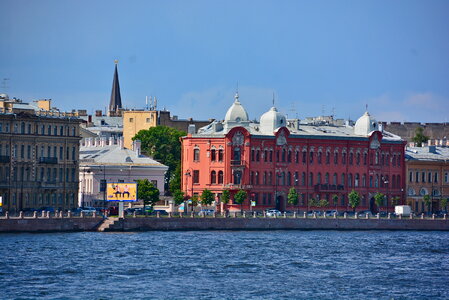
(108, 223)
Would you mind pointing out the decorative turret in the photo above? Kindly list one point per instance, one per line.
(272, 120)
(365, 125)
(236, 115)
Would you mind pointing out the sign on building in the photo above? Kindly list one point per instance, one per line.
(122, 191)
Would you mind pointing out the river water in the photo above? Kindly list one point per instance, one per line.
(225, 265)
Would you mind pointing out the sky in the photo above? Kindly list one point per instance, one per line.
(312, 57)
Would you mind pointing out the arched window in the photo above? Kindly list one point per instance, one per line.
(256, 178)
(343, 179)
(336, 158)
(335, 178)
(270, 178)
(196, 154)
(213, 155)
(265, 155)
(364, 180)
(357, 159)
(398, 179)
(377, 158)
(264, 178)
(343, 158)
(326, 178)
(311, 179)
(283, 155)
(349, 180)
(296, 156)
(220, 154)
(351, 158)
(311, 157)
(393, 179)
(376, 183)
(319, 156)
(303, 179)
(357, 180)
(251, 177)
(365, 158)
(318, 178)
(289, 179)
(304, 156)
(328, 157)
(296, 178)
(237, 177)
(257, 155)
(213, 177)
(220, 177)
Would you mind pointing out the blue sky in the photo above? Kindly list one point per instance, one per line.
(315, 56)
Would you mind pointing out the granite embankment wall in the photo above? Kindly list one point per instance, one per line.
(148, 224)
(49, 224)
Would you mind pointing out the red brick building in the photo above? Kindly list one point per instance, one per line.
(268, 158)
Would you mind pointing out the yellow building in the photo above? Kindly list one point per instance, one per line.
(136, 120)
(427, 170)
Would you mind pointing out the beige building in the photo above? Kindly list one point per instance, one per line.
(136, 120)
(38, 157)
(427, 170)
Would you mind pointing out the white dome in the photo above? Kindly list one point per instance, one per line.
(4, 96)
(365, 125)
(272, 120)
(236, 113)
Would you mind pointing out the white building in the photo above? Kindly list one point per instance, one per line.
(105, 161)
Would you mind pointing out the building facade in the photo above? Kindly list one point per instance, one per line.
(105, 161)
(38, 159)
(427, 174)
(266, 159)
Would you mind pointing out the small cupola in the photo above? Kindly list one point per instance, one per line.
(365, 125)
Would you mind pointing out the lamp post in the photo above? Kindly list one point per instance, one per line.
(188, 174)
(386, 184)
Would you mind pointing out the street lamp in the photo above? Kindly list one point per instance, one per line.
(188, 174)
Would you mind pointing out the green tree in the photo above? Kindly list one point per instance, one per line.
(419, 137)
(163, 144)
(443, 204)
(224, 198)
(178, 196)
(207, 197)
(194, 201)
(427, 201)
(335, 200)
(379, 199)
(292, 196)
(313, 202)
(354, 199)
(240, 197)
(323, 203)
(147, 192)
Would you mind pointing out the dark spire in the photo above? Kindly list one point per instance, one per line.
(116, 100)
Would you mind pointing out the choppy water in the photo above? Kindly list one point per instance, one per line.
(225, 265)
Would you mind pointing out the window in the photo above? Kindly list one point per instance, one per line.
(351, 158)
(213, 155)
(237, 154)
(343, 158)
(410, 177)
(319, 157)
(257, 155)
(61, 152)
(265, 156)
(196, 176)
(336, 158)
(264, 182)
(271, 155)
(213, 177)
(131, 120)
(196, 154)
(429, 177)
(326, 178)
(304, 157)
(318, 178)
(220, 177)
(49, 130)
(289, 179)
(237, 177)
(335, 178)
(417, 176)
(311, 179)
(357, 160)
(423, 177)
(22, 151)
(311, 157)
(328, 158)
(364, 180)
(446, 177)
(220, 155)
(148, 120)
(73, 153)
(296, 156)
(256, 178)
(349, 180)
(303, 179)
(252, 154)
(289, 156)
(435, 177)
(343, 177)
(296, 178)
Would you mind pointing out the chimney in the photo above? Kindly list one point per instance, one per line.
(121, 143)
(136, 147)
(191, 129)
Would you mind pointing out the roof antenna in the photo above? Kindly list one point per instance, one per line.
(366, 107)
(273, 99)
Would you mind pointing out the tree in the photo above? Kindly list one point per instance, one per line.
(443, 204)
(323, 203)
(147, 192)
(224, 198)
(419, 137)
(427, 201)
(194, 201)
(207, 197)
(395, 200)
(335, 200)
(312, 202)
(379, 199)
(354, 199)
(178, 196)
(163, 144)
(240, 197)
(292, 196)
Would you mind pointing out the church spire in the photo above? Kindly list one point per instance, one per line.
(116, 100)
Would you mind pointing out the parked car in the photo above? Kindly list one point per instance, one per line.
(330, 213)
(273, 213)
(160, 211)
(88, 210)
(310, 213)
(206, 212)
(362, 214)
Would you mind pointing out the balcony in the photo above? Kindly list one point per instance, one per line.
(4, 159)
(237, 163)
(329, 187)
(48, 160)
